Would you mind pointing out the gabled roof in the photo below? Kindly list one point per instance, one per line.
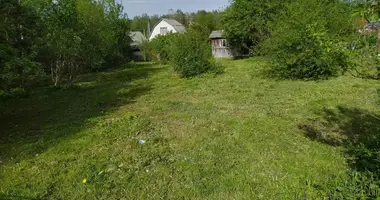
(175, 24)
(217, 34)
(137, 38)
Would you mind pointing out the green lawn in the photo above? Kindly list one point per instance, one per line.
(238, 135)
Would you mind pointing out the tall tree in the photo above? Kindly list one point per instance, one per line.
(246, 22)
(20, 36)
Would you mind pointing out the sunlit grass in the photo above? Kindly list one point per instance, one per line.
(230, 136)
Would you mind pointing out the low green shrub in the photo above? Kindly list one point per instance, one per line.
(19, 92)
(356, 185)
(310, 54)
(364, 57)
(19, 73)
(191, 54)
(307, 40)
(161, 47)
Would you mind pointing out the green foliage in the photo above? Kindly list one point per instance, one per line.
(19, 39)
(309, 53)
(206, 22)
(64, 38)
(209, 20)
(245, 23)
(146, 48)
(85, 36)
(306, 41)
(19, 73)
(363, 56)
(141, 23)
(162, 45)
(191, 54)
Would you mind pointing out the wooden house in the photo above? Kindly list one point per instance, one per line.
(220, 47)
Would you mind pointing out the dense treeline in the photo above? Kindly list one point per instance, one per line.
(208, 20)
(62, 38)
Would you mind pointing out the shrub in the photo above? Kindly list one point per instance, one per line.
(364, 56)
(306, 40)
(161, 46)
(146, 50)
(191, 54)
(310, 54)
(19, 73)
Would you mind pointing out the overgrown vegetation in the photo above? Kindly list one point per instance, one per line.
(307, 40)
(246, 23)
(19, 41)
(62, 38)
(161, 47)
(191, 54)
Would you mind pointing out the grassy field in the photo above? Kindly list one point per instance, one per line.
(238, 135)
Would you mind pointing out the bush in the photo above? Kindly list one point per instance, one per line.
(19, 73)
(146, 50)
(310, 54)
(306, 41)
(191, 54)
(161, 46)
(364, 57)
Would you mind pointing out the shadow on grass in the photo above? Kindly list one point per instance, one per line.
(31, 125)
(355, 129)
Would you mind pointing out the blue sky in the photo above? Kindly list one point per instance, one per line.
(138, 7)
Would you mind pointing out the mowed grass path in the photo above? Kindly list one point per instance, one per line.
(237, 135)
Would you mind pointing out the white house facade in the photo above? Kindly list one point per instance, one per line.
(166, 26)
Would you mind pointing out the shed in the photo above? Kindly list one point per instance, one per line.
(220, 47)
(137, 39)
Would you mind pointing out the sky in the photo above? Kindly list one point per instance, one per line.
(151, 7)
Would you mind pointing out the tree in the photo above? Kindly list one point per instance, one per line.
(19, 38)
(84, 36)
(245, 22)
(206, 21)
(306, 41)
(141, 23)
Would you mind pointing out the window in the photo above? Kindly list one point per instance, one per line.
(224, 43)
(164, 30)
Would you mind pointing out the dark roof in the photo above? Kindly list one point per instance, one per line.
(175, 24)
(217, 34)
(137, 38)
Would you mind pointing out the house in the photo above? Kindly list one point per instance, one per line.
(165, 26)
(220, 48)
(137, 39)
